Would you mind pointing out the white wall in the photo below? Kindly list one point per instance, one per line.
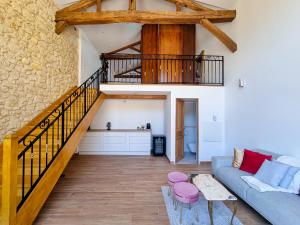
(265, 113)
(129, 114)
(211, 105)
(89, 61)
(168, 125)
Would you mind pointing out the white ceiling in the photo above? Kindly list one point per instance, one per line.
(108, 37)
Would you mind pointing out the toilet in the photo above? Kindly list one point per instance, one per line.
(192, 147)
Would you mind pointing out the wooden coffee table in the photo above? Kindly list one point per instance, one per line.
(214, 191)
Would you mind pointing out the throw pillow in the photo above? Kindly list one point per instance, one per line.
(272, 172)
(252, 161)
(288, 177)
(292, 161)
(295, 184)
(238, 157)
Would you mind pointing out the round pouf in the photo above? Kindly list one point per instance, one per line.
(185, 193)
(176, 177)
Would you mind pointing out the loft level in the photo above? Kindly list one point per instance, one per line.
(163, 69)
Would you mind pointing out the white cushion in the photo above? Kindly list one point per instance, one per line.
(289, 160)
(263, 187)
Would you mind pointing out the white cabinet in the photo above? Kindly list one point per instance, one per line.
(116, 142)
(139, 142)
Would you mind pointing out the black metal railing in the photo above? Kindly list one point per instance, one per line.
(163, 69)
(41, 145)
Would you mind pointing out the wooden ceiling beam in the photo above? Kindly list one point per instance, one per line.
(190, 4)
(178, 7)
(124, 48)
(145, 17)
(60, 26)
(132, 4)
(98, 3)
(218, 33)
(81, 5)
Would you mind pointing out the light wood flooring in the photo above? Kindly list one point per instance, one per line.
(118, 190)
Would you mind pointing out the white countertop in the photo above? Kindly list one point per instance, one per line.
(119, 130)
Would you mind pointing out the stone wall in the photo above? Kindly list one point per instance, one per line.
(36, 65)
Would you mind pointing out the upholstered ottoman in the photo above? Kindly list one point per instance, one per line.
(185, 193)
(176, 177)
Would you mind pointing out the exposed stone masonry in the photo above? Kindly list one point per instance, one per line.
(36, 65)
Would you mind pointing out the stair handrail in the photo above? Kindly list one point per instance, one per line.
(64, 121)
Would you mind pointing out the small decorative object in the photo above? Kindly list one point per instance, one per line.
(108, 125)
(138, 128)
(148, 126)
(143, 127)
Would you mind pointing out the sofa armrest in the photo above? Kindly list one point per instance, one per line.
(220, 161)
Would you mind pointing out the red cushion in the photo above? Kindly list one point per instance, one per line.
(252, 161)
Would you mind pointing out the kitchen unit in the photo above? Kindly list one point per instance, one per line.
(116, 142)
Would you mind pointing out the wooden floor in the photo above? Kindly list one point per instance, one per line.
(116, 190)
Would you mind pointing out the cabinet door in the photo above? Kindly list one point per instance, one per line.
(92, 142)
(115, 142)
(139, 142)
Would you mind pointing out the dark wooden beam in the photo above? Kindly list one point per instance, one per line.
(145, 17)
(127, 71)
(130, 46)
(224, 38)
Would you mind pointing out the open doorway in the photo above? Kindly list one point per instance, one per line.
(187, 131)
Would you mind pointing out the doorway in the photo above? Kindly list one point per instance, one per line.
(187, 131)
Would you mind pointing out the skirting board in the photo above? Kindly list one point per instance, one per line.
(114, 153)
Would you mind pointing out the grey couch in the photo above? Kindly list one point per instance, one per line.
(277, 207)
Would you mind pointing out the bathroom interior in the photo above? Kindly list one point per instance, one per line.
(190, 132)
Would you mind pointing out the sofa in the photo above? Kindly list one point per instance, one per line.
(277, 207)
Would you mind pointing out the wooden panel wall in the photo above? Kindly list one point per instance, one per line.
(167, 39)
(149, 46)
(170, 43)
(189, 48)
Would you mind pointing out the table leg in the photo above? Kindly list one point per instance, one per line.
(181, 214)
(234, 211)
(197, 216)
(211, 212)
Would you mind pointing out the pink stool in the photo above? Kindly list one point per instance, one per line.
(185, 193)
(176, 177)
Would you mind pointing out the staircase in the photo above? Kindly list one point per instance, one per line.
(33, 159)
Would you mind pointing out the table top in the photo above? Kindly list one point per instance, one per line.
(212, 189)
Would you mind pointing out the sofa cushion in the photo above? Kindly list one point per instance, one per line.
(261, 151)
(238, 156)
(288, 177)
(272, 172)
(231, 177)
(277, 207)
(253, 160)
